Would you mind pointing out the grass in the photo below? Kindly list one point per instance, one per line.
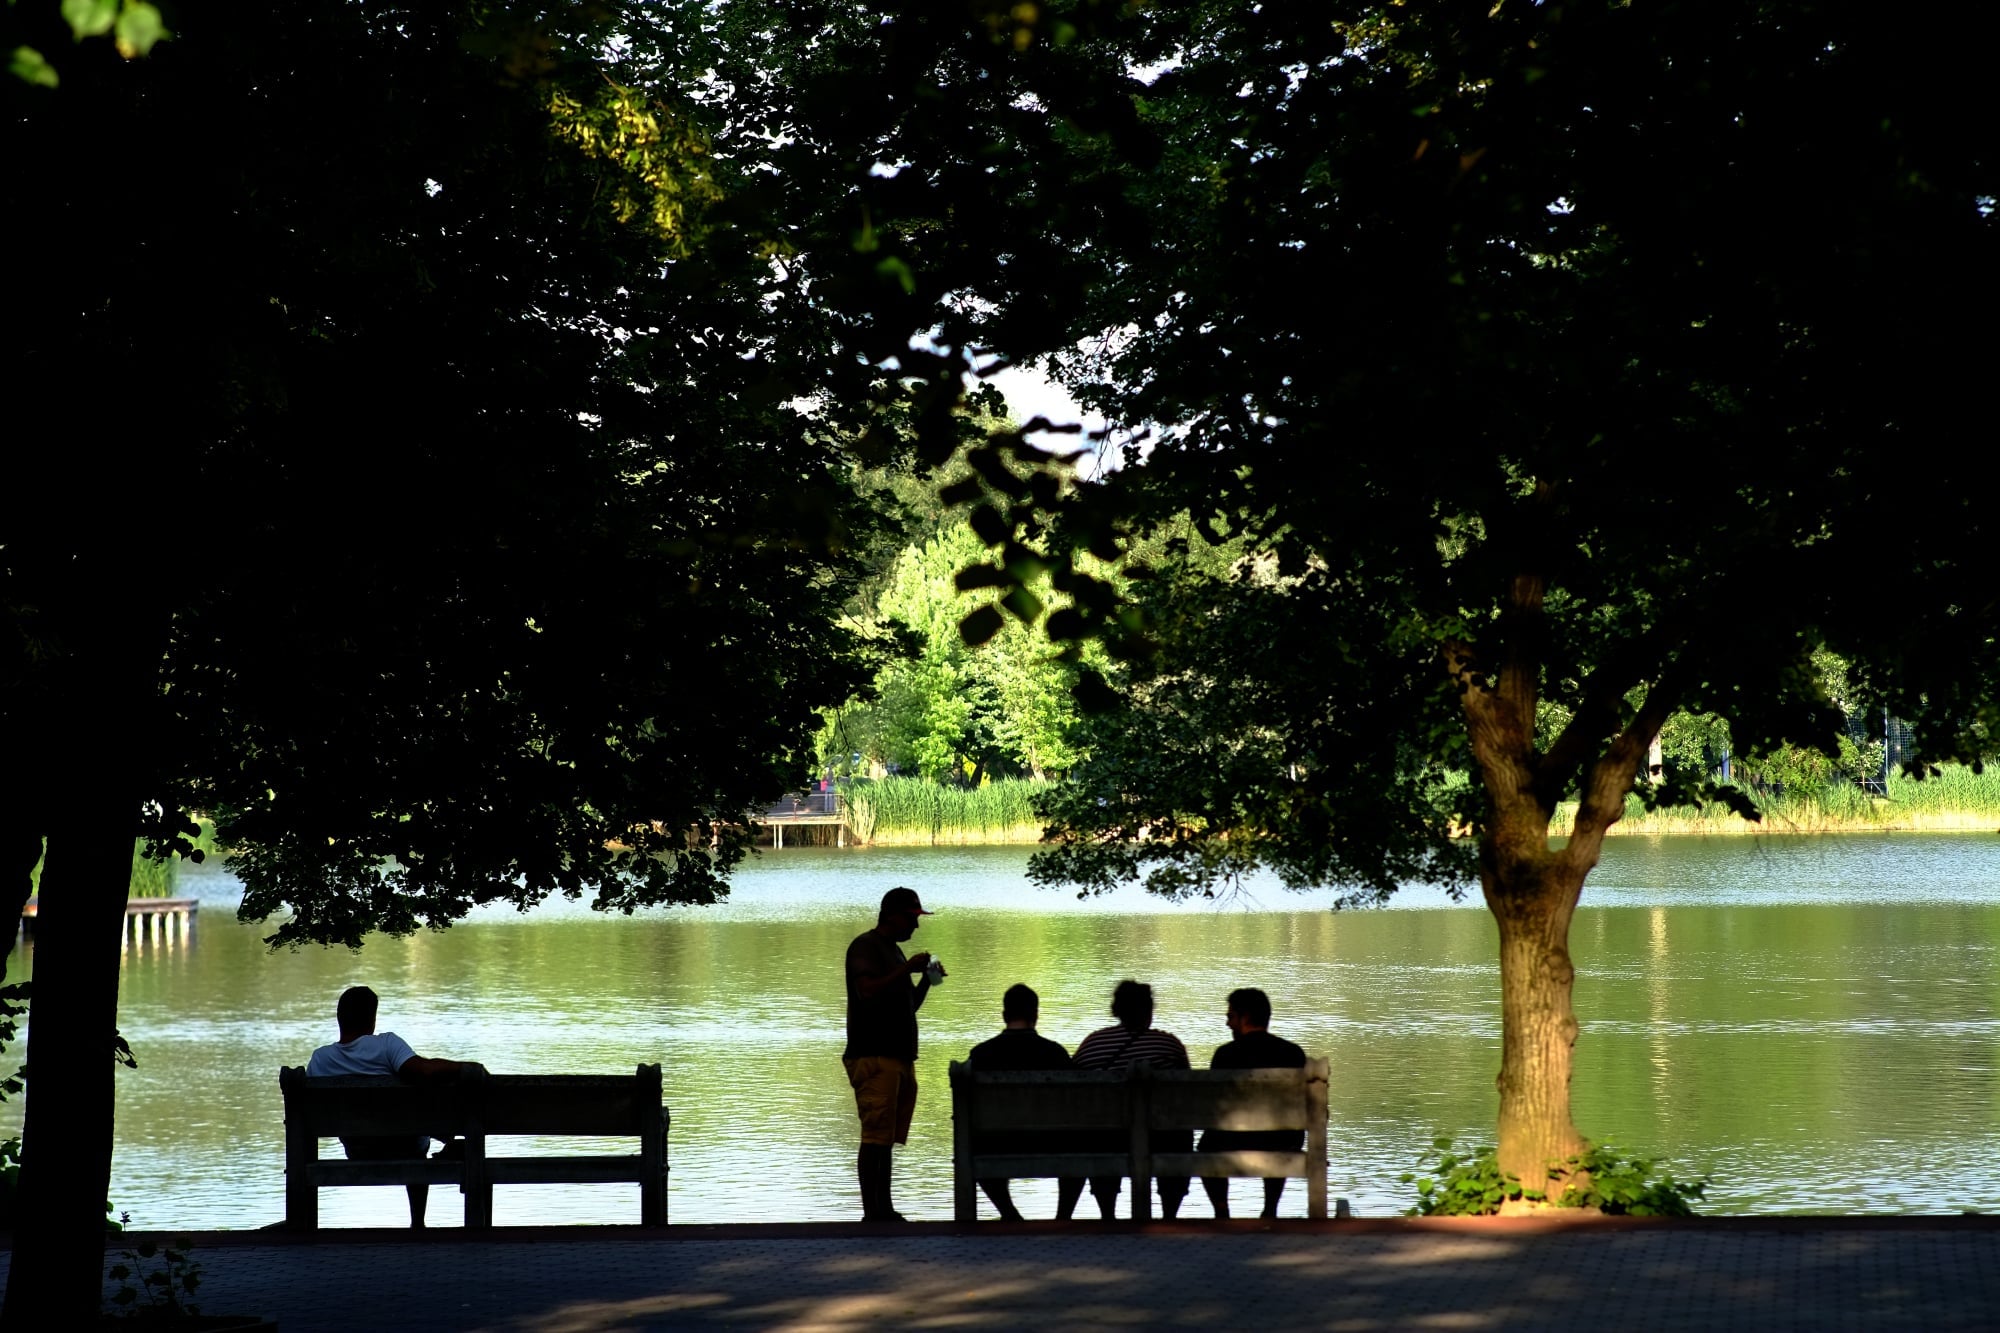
(912, 812)
(1956, 800)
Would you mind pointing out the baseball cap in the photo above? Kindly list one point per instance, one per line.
(900, 899)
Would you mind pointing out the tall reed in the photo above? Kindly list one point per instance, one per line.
(910, 811)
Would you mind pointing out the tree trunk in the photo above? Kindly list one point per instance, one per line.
(1537, 1020)
(105, 691)
(57, 1275)
(1531, 888)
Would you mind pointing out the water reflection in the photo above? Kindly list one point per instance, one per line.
(1810, 1023)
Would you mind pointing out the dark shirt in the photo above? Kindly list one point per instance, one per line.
(1018, 1048)
(884, 1024)
(1256, 1050)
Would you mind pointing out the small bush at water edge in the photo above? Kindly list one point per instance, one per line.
(1472, 1185)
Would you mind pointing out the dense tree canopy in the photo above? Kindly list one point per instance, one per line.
(428, 461)
(1616, 357)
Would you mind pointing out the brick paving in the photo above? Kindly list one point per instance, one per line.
(1836, 1273)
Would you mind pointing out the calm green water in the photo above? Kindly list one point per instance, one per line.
(1811, 1022)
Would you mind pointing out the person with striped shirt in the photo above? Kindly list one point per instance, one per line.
(1134, 1041)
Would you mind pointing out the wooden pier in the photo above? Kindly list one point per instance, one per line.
(806, 808)
(172, 918)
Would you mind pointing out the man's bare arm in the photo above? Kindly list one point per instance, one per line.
(418, 1069)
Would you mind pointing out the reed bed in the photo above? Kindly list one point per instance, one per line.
(1956, 800)
(911, 812)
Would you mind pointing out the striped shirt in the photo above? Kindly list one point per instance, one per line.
(1120, 1047)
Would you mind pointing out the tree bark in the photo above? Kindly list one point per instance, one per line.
(1538, 1024)
(94, 773)
(1532, 889)
(57, 1275)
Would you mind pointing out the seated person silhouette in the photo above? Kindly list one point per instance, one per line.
(1019, 1046)
(1249, 1017)
(361, 1050)
(1133, 1041)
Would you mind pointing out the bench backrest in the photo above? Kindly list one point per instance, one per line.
(1043, 1099)
(573, 1104)
(1233, 1099)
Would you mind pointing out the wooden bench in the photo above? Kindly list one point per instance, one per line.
(621, 1105)
(1139, 1104)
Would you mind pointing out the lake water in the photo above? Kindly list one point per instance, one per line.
(1810, 1022)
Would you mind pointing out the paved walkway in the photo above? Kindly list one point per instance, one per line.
(1361, 1275)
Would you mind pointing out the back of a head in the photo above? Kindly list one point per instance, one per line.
(1251, 1005)
(356, 1010)
(1020, 1002)
(1132, 1004)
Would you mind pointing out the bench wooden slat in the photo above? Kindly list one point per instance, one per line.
(333, 1173)
(564, 1170)
(1034, 1166)
(1245, 1162)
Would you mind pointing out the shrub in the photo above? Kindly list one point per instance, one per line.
(1600, 1178)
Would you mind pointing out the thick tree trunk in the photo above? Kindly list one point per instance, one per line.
(105, 694)
(1531, 888)
(1537, 1021)
(58, 1269)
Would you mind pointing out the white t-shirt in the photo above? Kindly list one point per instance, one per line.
(376, 1053)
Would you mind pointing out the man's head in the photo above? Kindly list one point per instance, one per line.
(356, 1012)
(1132, 1005)
(1249, 1010)
(900, 910)
(1020, 1006)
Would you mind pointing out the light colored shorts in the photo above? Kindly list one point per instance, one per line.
(885, 1093)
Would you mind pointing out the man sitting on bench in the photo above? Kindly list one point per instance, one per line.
(361, 1050)
(1249, 1017)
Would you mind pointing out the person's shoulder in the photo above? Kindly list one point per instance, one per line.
(1054, 1050)
(1291, 1050)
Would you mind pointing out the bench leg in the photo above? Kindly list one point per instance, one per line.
(478, 1183)
(653, 1167)
(301, 1194)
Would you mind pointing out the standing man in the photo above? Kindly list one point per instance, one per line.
(361, 1050)
(1249, 1017)
(1019, 1046)
(881, 1054)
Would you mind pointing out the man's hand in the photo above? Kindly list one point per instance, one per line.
(917, 962)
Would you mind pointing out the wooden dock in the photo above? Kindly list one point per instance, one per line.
(821, 808)
(172, 918)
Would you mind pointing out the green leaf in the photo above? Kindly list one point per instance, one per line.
(139, 26)
(981, 625)
(29, 66)
(895, 268)
(90, 18)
